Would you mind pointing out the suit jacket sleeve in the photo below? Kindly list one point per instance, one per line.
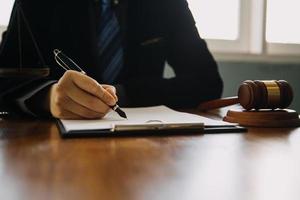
(197, 77)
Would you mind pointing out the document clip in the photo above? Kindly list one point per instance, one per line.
(157, 125)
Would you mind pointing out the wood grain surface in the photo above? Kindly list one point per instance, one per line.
(35, 163)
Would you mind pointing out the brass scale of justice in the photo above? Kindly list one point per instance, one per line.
(24, 71)
(263, 103)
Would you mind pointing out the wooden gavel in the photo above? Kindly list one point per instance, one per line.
(256, 95)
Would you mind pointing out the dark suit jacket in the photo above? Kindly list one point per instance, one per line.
(155, 32)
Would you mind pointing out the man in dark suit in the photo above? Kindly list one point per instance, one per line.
(151, 34)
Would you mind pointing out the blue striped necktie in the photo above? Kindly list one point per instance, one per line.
(109, 44)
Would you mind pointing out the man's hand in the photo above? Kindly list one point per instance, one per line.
(78, 96)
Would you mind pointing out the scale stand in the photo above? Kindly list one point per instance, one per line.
(21, 71)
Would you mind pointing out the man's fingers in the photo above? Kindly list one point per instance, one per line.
(78, 96)
(81, 111)
(93, 87)
(87, 100)
(112, 90)
(65, 114)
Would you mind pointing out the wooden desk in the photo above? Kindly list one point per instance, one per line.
(35, 163)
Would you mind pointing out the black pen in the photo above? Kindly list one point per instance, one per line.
(65, 62)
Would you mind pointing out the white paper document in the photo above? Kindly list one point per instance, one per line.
(143, 118)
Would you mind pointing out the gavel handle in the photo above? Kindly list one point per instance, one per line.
(218, 103)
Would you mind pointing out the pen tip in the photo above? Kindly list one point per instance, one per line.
(121, 113)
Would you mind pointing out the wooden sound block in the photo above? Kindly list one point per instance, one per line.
(264, 118)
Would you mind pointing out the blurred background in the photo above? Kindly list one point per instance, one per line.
(250, 39)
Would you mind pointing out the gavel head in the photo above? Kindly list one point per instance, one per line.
(265, 94)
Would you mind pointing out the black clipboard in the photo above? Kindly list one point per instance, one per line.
(154, 131)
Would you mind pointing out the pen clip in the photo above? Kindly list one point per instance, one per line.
(59, 55)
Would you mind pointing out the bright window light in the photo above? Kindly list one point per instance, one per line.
(283, 21)
(217, 19)
(5, 11)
